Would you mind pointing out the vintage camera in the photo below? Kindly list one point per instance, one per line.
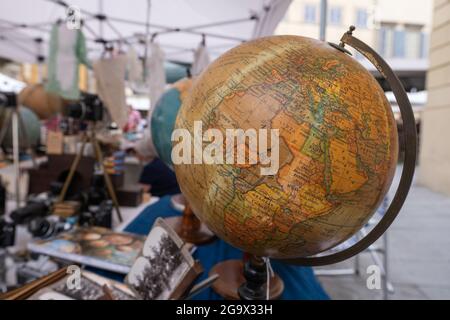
(2, 198)
(35, 208)
(8, 99)
(48, 227)
(100, 216)
(89, 108)
(7, 233)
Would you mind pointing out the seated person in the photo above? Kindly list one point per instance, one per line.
(158, 179)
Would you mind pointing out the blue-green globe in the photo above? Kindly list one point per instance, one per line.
(32, 126)
(164, 116)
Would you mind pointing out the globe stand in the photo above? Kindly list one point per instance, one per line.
(245, 280)
(239, 281)
(409, 161)
(190, 228)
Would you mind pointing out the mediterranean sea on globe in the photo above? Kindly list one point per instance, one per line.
(338, 146)
(164, 116)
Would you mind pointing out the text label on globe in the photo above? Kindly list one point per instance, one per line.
(241, 147)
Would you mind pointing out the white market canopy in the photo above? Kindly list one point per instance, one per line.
(177, 25)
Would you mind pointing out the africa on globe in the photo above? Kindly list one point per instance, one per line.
(338, 146)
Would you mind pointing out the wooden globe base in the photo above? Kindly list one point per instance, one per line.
(231, 278)
(199, 236)
(190, 228)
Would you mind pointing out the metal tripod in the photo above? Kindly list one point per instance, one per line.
(90, 136)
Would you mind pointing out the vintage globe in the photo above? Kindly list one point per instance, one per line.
(337, 146)
(164, 115)
(32, 130)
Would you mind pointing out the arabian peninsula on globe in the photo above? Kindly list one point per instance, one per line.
(338, 146)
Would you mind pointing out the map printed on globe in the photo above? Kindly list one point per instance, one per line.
(337, 156)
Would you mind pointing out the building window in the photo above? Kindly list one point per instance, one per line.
(399, 43)
(423, 45)
(384, 41)
(361, 18)
(310, 13)
(335, 15)
(413, 39)
(415, 42)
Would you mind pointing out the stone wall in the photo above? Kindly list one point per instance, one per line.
(434, 170)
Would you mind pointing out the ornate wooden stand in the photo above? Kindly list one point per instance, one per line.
(245, 280)
(190, 228)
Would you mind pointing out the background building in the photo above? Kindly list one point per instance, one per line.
(435, 148)
(399, 30)
(414, 37)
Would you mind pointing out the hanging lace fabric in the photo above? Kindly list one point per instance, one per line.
(134, 66)
(110, 76)
(201, 59)
(156, 74)
(67, 51)
(157, 84)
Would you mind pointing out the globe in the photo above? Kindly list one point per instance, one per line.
(164, 116)
(33, 129)
(338, 146)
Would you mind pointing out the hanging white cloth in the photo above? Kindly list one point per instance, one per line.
(134, 66)
(157, 85)
(145, 147)
(201, 60)
(156, 74)
(110, 75)
(67, 50)
(66, 60)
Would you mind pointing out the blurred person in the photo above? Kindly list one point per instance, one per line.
(134, 119)
(158, 179)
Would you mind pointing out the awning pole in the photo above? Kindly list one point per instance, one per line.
(100, 26)
(40, 59)
(323, 19)
(166, 29)
(147, 40)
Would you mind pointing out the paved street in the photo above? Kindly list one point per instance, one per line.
(419, 253)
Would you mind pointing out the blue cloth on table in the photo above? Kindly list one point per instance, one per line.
(300, 282)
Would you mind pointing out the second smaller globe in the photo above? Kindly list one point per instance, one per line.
(164, 116)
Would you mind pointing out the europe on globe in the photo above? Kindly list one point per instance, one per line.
(338, 146)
